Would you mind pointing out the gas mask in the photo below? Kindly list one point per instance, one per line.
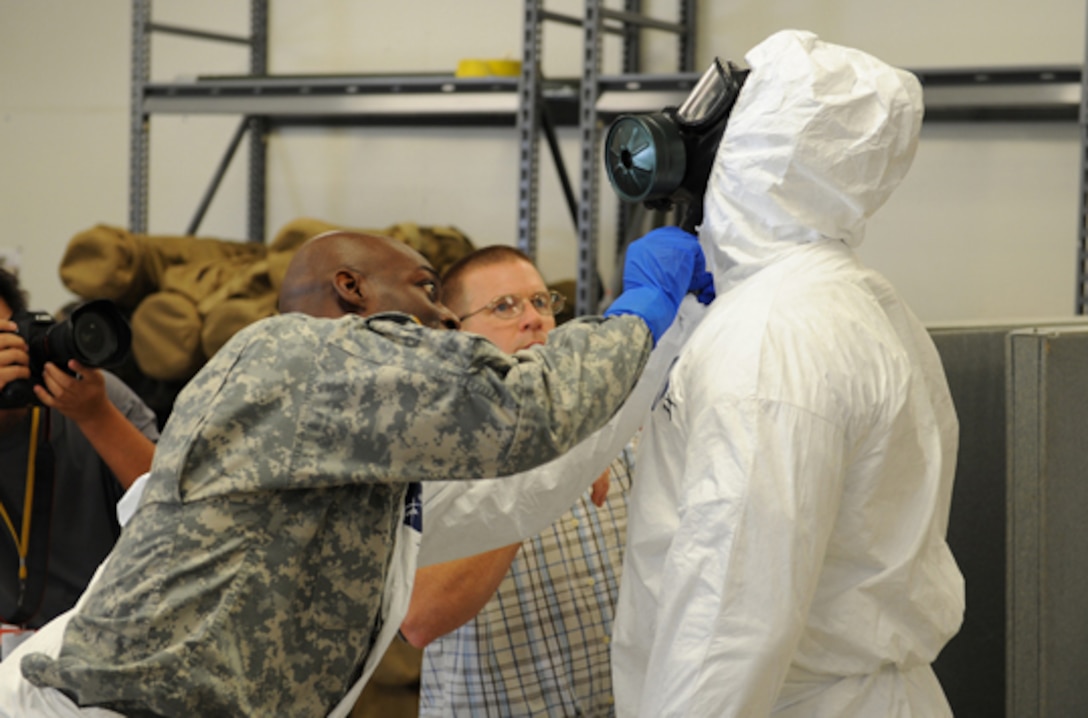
(663, 159)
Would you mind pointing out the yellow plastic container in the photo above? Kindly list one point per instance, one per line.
(477, 67)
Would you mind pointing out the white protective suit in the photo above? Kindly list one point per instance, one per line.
(786, 547)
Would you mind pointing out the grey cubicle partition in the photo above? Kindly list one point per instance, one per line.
(972, 666)
(1047, 654)
(991, 668)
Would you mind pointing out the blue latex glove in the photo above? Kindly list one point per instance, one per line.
(660, 268)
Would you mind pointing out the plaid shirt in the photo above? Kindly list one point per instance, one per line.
(540, 647)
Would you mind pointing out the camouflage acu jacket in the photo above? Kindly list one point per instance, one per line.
(249, 581)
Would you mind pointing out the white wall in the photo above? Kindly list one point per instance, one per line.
(983, 227)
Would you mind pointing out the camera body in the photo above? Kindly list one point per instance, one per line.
(96, 334)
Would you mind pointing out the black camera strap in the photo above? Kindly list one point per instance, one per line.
(31, 537)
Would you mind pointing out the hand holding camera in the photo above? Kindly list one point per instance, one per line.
(14, 358)
(79, 393)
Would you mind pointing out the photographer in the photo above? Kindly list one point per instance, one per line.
(67, 462)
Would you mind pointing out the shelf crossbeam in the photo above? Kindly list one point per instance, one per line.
(1047, 93)
(197, 34)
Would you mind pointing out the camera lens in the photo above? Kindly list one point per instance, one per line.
(95, 338)
(96, 334)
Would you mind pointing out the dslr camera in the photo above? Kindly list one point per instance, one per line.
(95, 334)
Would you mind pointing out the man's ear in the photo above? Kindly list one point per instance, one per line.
(349, 290)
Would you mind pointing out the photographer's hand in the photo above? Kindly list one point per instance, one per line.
(14, 360)
(83, 399)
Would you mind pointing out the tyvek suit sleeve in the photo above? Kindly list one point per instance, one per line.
(466, 518)
(759, 497)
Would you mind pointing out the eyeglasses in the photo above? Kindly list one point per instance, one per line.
(510, 306)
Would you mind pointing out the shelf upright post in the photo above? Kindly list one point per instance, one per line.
(258, 126)
(528, 121)
(1082, 231)
(628, 216)
(632, 39)
(588, 289)
(138, 119)
(686, 40)
(632, 63)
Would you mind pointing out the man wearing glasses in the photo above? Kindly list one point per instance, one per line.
(538, 612)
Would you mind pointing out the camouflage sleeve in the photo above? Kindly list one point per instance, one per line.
(468, 410)
(570, 387)
(302, 402)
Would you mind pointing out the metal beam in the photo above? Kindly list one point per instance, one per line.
(257, 179)
(588, 284)
(528, 123)
(198, 34)
(1043, 93)
(217, 178)
(138, 161)
(1082, 229)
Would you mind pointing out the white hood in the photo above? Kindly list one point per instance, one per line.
(819, 138)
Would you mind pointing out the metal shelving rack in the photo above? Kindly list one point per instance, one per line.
(142, 106)
(534, 104)
(639, 93)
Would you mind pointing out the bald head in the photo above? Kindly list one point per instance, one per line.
(340, 273)
(308, 285)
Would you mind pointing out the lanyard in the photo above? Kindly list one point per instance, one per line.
(22, 538)
(31, 538)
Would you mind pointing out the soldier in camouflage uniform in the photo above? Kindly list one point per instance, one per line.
(251, 580)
